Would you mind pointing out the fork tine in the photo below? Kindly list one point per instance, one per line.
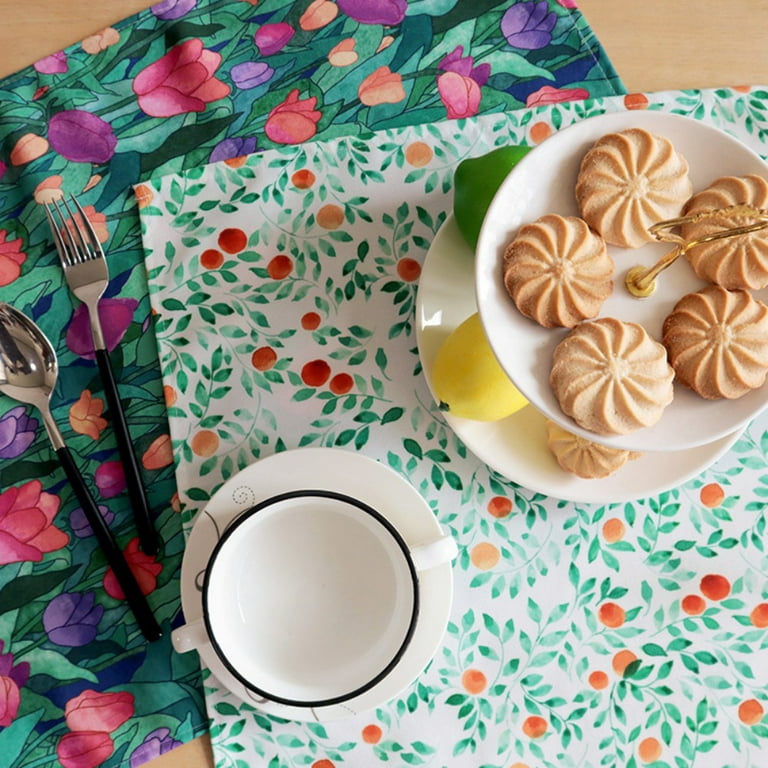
(73, 233)
(55, 231)
(63, 235)
(94, 244)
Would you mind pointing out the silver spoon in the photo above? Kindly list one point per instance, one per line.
(28, 372)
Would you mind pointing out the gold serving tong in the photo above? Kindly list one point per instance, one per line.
(641, 281)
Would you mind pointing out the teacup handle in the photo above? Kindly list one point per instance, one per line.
(189, 637)
(435, 553)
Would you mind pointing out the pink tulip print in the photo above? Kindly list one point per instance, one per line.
(27, 529)
(183, 80)
(294, 120)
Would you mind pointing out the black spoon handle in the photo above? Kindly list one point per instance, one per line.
(133, 594)
(144, 525)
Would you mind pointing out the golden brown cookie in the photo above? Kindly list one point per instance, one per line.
(717, 342)
(628, 181)
(585, 458)
(611, 377)
(733, 262)
(557, 271)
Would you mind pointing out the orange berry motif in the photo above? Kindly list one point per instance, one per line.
(636, 101)
(204, 443)
(263, 358)
(611, 615)
(613, 530)
(622, 660)
(751, 712)
(484, 555)
(310, 321)
(303, 179)
(759, 616)
(418, 154)
(540, 131)
(474, 681)
(144, 195)
(330, 216)
(232, 240)
(408, 269)
(500, 506)
(649, 750)
(534, 727)
(715, 587)
(170, 395)
(315, 373)
(598, 680)
(280, 266)
(693, 605)
(341, 383)
(211, 258)
(712, 495)
(371, 734)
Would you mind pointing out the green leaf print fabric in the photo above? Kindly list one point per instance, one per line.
(582, 634)
(181, 84)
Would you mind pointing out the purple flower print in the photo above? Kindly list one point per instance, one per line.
(3, 169)
(81, 136)
(387, 12)
(172, 9)
(110, 479)
(155, 743)
(19, 673)
(79, 524)
(463, 65)
(235, 147)
(250, 74)
(116, 315)
(72, 619)
(528, 25)
(17, 431)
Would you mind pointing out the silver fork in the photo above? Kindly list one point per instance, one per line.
(85, 269)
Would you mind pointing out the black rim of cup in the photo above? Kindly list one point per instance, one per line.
(376, 679)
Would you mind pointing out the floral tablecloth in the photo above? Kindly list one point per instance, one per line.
(184, 83)
(582, 634)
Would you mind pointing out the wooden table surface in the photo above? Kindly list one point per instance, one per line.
(654, 45)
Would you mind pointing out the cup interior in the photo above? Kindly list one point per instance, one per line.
(310, 598)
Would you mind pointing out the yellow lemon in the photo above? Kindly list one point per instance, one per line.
(468, 380)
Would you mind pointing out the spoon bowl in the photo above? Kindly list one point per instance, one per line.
(28, 365)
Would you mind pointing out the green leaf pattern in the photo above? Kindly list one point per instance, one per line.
(571, 642)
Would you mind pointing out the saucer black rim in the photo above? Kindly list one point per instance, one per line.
(245, 515)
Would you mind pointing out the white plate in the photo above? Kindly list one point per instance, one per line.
(516, 447)
(543, 182)
(354, 475)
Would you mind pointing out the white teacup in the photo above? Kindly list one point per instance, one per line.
(310, 598)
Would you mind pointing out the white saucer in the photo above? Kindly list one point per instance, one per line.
(516, 446)
(544, 182)
(357, 476)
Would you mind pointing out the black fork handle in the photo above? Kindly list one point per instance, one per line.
(133, 594)
(148, 537)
